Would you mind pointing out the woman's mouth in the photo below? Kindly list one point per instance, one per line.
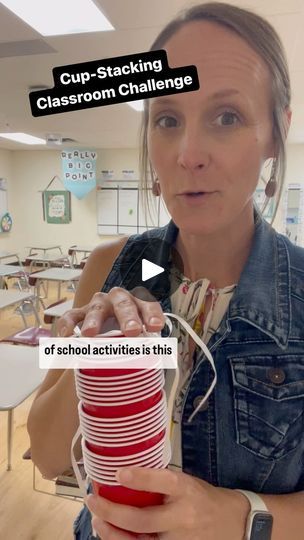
(195, 196)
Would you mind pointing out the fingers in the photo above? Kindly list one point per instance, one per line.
(69, 320)
(97, 312)
(109, 532)
(150, 310)
(154, 480)
(130, 311)
(92, 316)
(151, 519)
(126, 311)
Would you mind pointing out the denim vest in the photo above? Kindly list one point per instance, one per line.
(251, 433)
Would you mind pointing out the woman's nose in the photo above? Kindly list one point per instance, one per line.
(193, 154)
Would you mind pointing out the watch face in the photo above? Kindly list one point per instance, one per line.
(261, 527)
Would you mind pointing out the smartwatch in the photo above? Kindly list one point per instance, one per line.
(260, 520)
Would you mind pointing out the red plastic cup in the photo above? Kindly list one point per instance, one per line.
(156, 461)
(123, 461)
(126, 450)
(99, 423)
(124, 495)
(114, 381)
(129, 409)
(116, 440)
(108, 473)
(136, 419)
(121, 388)
(118, 398)
(108, 372)
(122, 431)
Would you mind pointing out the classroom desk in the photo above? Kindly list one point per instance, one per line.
(9, 298)
(9, 270)
(48, 259)
(43, 248)
(61, 275)
(85, 250)
(20, 375)
(10, 255)
(57, 311)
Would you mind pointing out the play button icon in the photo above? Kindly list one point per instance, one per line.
(145, 270)
(149, 270)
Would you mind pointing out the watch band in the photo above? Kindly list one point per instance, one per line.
(259, 518)
(256, 502)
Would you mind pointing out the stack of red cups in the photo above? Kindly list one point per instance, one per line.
(123, 418)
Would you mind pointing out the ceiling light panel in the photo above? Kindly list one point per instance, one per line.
(60, 17)
(23, 138)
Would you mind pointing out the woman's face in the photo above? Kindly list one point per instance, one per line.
(213, 141)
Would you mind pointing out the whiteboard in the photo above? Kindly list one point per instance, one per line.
(127, 211)
(120, 209)
(107, 211)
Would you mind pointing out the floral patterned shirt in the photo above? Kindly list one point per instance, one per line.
(188, 301)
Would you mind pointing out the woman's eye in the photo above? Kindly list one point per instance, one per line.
(227, 118)
(166, 122)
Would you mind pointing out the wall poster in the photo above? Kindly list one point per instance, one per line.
(57, 206)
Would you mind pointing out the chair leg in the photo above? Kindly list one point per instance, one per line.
(35, 311)
(10, 420)
(22, 315)
(59, 290)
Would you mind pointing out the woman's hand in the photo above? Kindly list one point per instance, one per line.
(130, 311)
(192, 509)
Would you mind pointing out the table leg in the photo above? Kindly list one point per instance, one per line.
(10, 420)
(22, 315)
(59, 289)
(36, 312)
(39, 297)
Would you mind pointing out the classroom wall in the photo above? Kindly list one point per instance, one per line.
(6, 164)
(28, 172)
(294, 175)
(31, 171)
(6, 160)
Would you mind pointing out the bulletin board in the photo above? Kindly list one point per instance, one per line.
(57, 206)
(120, 210)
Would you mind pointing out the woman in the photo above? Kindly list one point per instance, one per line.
(206, 150)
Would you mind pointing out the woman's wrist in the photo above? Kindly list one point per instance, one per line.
(236, 509)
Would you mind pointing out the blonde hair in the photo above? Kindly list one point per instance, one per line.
(262, 37)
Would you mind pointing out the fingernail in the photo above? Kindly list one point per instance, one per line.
(131, 324)
(124, 475)
(90, 324)
(155, 320)
(63, 331)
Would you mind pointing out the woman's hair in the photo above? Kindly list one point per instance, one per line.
(262, 37)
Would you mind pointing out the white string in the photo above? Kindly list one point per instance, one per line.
(206, 351)
(75, 466)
